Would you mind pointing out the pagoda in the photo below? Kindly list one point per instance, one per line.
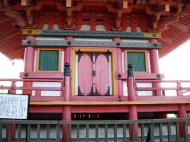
(95, 59)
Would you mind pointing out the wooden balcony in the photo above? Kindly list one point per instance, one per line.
(147, 92)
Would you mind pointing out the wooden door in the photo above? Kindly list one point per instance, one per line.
(93, 74)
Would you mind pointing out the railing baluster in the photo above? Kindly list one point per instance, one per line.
(133, 129)
(19, 132)
(58, 139)
(28, 132)
(152, 132)
(1, 130)
(186, 132)
(48, 133)
(96, 133)
(115, 132)
(69, 131)
(78, 127)
(161, 132)
(124, 133)
(87, 132)
(169, 131)
(177, 131)
(38, 132)
(106, 133)
(142, 132)
(9, 127)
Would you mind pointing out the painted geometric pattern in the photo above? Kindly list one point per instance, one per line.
(125, 44)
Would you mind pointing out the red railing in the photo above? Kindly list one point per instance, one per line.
(165, 87)
(26, 86)
(155, 90)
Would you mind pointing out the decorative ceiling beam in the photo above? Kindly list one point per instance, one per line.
(5, 2)
(167, 7)
(29, 16)
(68, 3)
(156, 21)
(1, 4)
(19, 19)
(69, 17)
(25, 2)
(125, 4)
(118, 19)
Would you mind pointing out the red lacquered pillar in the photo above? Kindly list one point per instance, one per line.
(154, 58)
(66, 130)
(154, 63)
(182, 113)
(28, 63)
(29, 56)
(28, 59)
(12, 126)
(118, 61)
(66, 109)
(132, 97)
(28, 66)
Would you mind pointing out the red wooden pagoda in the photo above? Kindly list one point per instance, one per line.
(95, 59)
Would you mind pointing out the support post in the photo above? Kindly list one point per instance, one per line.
(154, 62)
(28, 59)
(132, 97)
(66, 109)
(182, 114)
(10, 132)
(67, 78)
(130, 83)
(28, 66)
(66, 127)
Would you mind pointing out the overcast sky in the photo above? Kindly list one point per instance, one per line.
(175, 66)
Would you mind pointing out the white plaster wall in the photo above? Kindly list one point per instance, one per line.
(47, 84)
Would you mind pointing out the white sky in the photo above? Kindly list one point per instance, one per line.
(174, 66)
(10, 69)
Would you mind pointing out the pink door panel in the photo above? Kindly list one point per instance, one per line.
(85, 74)
(93, 74)
(102, 74)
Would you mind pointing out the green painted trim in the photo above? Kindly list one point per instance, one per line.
(90, 34)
